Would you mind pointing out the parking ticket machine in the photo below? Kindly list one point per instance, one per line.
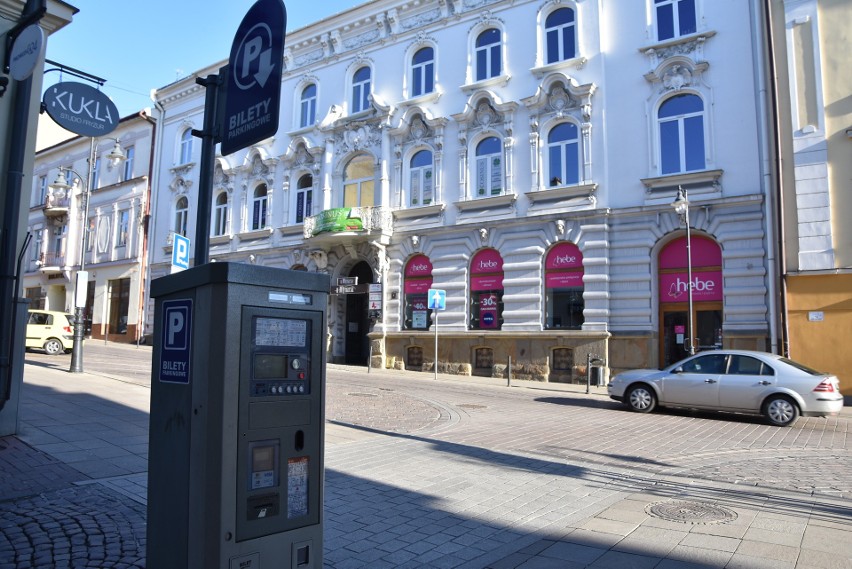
(237, 419)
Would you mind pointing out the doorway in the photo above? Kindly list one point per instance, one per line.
(707, 319)
(357, 349)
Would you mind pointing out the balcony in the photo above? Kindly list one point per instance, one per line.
(349, 225)
(56, 204)
(51, 262)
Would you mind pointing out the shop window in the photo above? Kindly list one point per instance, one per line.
(563, 286)
(119, 305)
(486, 291)
(418, 281)
(414, 357)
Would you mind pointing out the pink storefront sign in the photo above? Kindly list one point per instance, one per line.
(487, 261)
(706, 286)
(418, 286)
(564, 280)
(419, 266)
(564, 256)
(491, 282)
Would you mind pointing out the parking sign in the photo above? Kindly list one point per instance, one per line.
(176, 341)
(180, 252)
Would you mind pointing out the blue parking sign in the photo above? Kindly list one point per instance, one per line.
(176, 341)
(180, 251)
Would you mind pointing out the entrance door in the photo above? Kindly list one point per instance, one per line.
(707, 320)
(357, 348)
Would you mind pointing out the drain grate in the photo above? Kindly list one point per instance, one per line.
(691, 512)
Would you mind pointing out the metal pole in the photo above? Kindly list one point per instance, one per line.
(209, 136)
(509, 373)
(588, 372)
(435, 312)
(689, 321)
(79, 325)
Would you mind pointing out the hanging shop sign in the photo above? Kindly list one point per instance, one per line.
(80, 108)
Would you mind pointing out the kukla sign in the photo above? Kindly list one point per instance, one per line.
(80, 108)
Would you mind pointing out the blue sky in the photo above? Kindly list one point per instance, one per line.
(141, 45)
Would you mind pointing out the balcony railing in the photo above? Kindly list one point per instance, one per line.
(55, 205)
(358, 220)
(51, 260)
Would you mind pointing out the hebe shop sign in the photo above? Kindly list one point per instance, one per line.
(706, 286)
(488, 311)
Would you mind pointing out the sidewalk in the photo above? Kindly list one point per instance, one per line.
(73, 490)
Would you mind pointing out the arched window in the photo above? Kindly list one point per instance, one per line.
(186, 146)
(675, 18)
(563, 287)
(486, 290)
(359, 183)
(304, 197)
(489, 167)
(181, 215)
(423, 72)
(418, 281)
(258, 207)
(488, 61)
(563, 155)
(681, 123)
(422, 182)
(361, 90)
(308, 108)
(220, 214)
(560, 32)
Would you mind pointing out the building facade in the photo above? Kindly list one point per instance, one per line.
(523, 156)
(814, 116)
(96, 219)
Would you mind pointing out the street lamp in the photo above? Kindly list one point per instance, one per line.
(81, 282)
(681, 206)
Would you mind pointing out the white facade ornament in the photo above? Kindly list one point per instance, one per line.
(360, 138)
(415, 241)
(560, 226)
(483, 234)
(320, 258)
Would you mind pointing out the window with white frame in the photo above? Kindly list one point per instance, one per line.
(220, 214)
(563, 155)
(123, 228)
(258, 207)
(560, 31)
(96, 174)
(674, 18)
(359, 182)
(186, 146)
(681, 130)
(129, 155)
(488, 60)
(421, 178)
(38, 237)
(181, 215)
(40, 197)
(91, 233)
(423, 72)
(361, 90)
(489, 167)
(308, 106)
(304, 197)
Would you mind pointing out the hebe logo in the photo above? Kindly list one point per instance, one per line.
(680, 286)
(490, 264)
(565, 260)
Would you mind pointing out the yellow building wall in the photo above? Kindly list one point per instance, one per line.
(820, 324)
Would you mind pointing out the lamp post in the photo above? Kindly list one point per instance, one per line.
(681, 206)
(81, 282)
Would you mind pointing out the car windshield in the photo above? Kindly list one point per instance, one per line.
(802, 367)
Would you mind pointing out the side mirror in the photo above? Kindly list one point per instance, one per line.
(678, 369)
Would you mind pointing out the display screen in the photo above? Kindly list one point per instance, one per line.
(270, 366)
(280, 332)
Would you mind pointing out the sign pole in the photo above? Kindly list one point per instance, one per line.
(209, 137)
(436, 344)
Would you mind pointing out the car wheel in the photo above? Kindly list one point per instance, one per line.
(53, 347)
(780, 411)
(641, 399)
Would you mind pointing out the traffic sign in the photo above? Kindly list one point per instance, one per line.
(437, 299)
(180, 251)
(253, 84)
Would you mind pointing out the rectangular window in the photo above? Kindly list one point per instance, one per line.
(496, 177)
(119, 305)
(694, 142)
(123, 228)
(564, 309)
(304, 202)
(90, 234)
(258, 214)
(669, 147)
(36, 244)
(40, 197)
(675, 18)
(129, 153)
(96, 172)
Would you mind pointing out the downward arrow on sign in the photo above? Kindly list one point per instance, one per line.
(265, 67)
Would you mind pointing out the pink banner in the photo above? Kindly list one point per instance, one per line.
(419, 266)
(486, 261)
(706, 286)
(704, 252)
(488, 311)
(564, 256)
(494, 282)
(417, 286)
(564, 280)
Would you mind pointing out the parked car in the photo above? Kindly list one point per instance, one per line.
(51, 331)
(738, 381)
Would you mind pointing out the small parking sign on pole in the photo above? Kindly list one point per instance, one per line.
(437, 299)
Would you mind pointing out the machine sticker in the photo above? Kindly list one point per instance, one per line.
(263, 461)
(280, 332)
(176, 341)
(297, 487)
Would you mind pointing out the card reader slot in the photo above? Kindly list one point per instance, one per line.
(270, 414)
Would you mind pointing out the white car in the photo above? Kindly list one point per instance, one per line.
(51, 331)
(736, 381)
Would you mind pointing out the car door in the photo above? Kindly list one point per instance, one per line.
(746, 384)
(695, 383)
(38, 327)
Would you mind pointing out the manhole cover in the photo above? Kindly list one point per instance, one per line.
(362, 395)
(691, 512)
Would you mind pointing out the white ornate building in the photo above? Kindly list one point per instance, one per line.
(521, 155)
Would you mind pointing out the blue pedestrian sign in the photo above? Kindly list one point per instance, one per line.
(253, 84)
(176, 341)
(437, 299)
(180, 251)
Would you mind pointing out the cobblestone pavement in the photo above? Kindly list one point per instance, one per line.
(458, 473)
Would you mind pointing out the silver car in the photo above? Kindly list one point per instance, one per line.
(737, 381)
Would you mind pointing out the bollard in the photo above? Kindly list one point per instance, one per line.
(509, 373)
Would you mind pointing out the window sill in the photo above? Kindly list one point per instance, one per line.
(562, 192)
(219, 239)
(500, 80)
(295, 229)
(573, 63)
(674, 42)
(255, 234)
(704, 180)
(419, 211)
(302, 130)
(422, 99)
(179, 169)
(482, 203)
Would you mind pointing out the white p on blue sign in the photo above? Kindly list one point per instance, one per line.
(176, 340)
(437, 299)
(180, 251)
